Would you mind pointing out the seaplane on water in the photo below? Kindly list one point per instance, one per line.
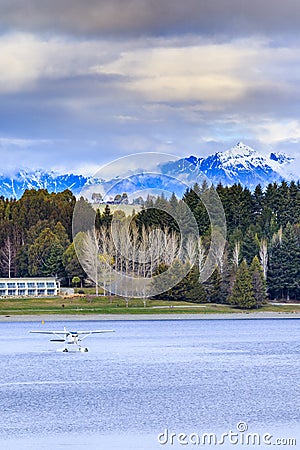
(71, 338)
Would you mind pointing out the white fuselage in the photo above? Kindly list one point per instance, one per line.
(72, 338)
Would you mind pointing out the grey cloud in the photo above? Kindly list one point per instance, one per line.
(152, 17)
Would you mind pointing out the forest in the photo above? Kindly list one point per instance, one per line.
(260, 262)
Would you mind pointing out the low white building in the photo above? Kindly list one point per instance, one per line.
(28, 287)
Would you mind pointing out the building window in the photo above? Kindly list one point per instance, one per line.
(31, 292)
(2, 292)
(21, 285)
(11, 285)
(31, 285)
(50, 292)
(50, 284)
(40, 285)
(21, 292)
(2, 285)
(11, 292)
(41, 291)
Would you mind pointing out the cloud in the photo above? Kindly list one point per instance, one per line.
(82, 76)
(152, 17)
(26, 58)
(213, 76)
(277, 132)
(79, 102)
(21, 143)
(179, 74)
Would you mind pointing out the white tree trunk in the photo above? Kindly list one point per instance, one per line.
(263, 255)
(90, 257)
(8, 256)
(236, 254)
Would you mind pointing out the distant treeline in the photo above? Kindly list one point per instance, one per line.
(261, 258)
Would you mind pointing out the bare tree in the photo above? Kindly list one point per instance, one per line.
(201, 254)
(277, 237)
(125, 247)
(236, 254)
(134, 250)
(219, 257)
(8, 255)
(190, 250)
(106, 257)
(89, 256)
(171, 249)
(263, 255)
(144, 260)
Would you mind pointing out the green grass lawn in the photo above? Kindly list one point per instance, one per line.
(116, 305)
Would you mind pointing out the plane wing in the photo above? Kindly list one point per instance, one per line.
(67, 332)
(85, 334)
(49, 332)
(95, 331)
(61, 335)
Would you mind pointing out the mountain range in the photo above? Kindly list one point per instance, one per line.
(240, 164)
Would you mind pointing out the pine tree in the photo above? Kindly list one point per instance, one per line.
(85, 216)
(284, 265)
(257, 203)
(258, 282)
(213, 287)
(106, 217)
(226, 281)
(275, 274)
(71, 264)
(242, 293)
(176, 272)
(250, 245)
(53, 265)
(195, 291)
(98, 220)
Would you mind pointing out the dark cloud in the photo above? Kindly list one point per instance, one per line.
(145, 75)
(152, 17)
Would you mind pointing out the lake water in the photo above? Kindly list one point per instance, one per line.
(150, 378)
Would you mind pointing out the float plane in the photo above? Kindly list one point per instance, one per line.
(71, 338)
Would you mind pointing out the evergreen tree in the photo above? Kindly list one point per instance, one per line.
(195, 291)
(71, 263)
(98, 220)
(242, 293)
(213, 287)
(169, 276)
(107, 216)
(192, 197)
(226, 281)
(284, 265)
(276, 272)
(45, 254)
(53, 264)
(85, 216)
(22, 264)
(258, 282)
(250, 245)
(258, 197)
(39, 227)
(176, 272)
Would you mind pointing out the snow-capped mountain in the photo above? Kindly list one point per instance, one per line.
(240, 164)
(13, 187)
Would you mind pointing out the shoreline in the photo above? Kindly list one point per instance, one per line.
(133, 317)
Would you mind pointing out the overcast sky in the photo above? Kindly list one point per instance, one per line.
(85, 81)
